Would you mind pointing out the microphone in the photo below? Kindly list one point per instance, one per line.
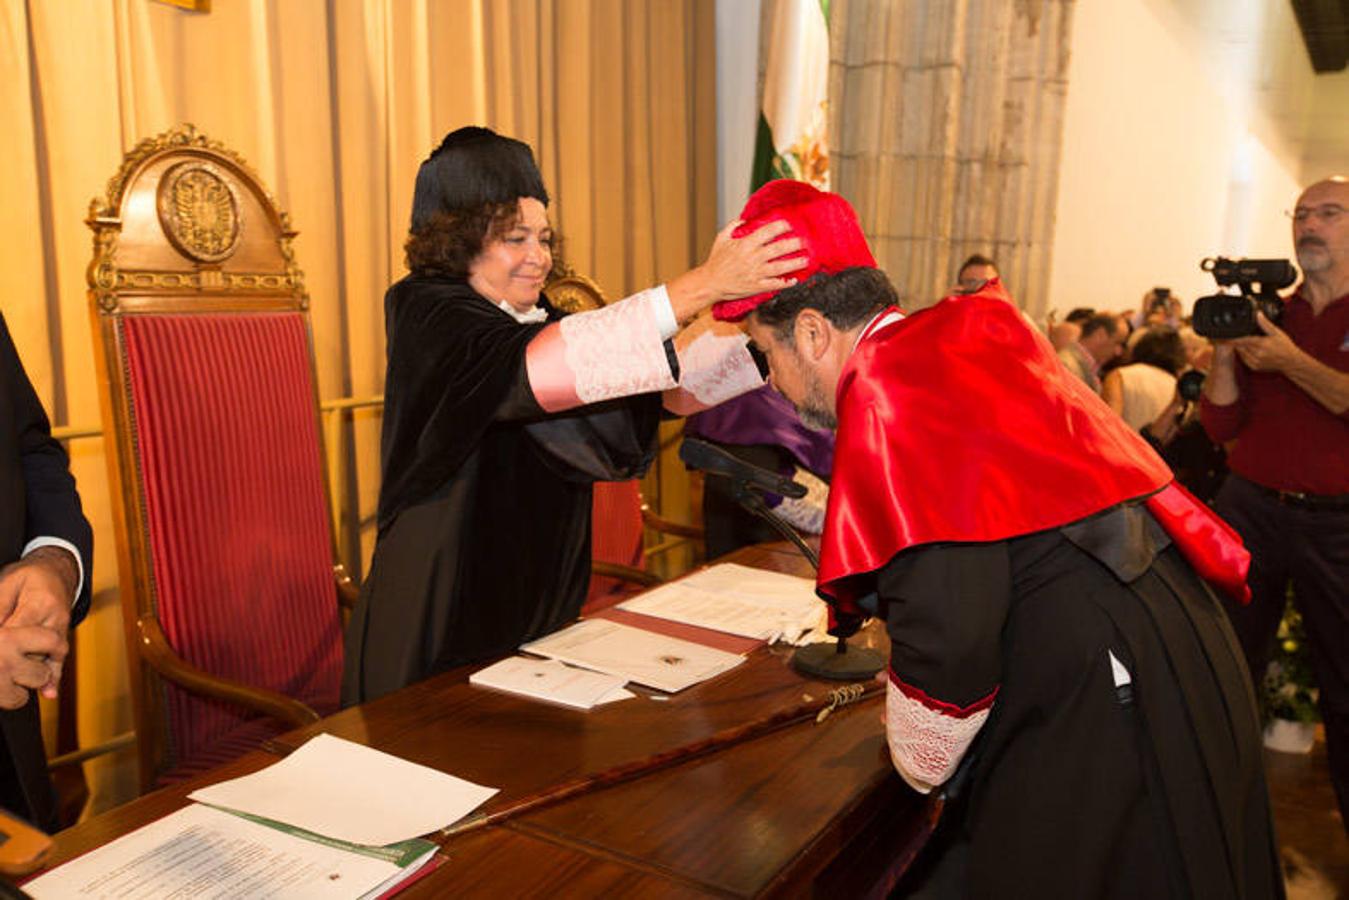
(703, 456)
(833, 660)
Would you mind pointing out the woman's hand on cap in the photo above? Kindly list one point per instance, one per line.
(757, 263)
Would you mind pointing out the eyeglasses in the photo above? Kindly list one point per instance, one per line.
(1326, 212)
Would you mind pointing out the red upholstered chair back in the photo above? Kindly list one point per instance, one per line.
(210, 407)
(616, 530)
(235, 508)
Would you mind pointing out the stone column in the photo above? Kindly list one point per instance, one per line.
(947, 125)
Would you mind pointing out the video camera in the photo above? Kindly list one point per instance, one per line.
(1223, 316)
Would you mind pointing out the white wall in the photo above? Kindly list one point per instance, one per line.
(1162, 165)
(737, 25)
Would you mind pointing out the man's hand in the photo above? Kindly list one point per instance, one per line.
(1166, 426)
(1274, 352)
(27, 657)
(36, 594)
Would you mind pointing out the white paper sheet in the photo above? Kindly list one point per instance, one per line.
(736, 599)
(552, 682)
(350, 792)
(657, 661)
(204, 852)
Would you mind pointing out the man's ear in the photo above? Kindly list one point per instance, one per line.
(812, 334)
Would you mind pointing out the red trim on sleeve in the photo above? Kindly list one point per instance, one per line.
(941, 706)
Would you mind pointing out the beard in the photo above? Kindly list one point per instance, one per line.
(814, 407)
(1312, 255)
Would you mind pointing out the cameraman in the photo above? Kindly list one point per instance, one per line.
(1282, 400)
(1179, 438)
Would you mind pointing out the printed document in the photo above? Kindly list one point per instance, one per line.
(204, 852)
(657, 661)
(552, 682)
(737, 599)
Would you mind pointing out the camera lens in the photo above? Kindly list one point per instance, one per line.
(1190, 385)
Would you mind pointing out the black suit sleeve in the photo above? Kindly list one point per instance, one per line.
(51, 500)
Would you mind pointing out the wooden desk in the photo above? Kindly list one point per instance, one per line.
(805, 809)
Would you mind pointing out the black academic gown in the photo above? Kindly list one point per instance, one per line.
(1077, 786)
(37, 499)
(484, 510)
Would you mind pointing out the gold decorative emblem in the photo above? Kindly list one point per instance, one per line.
(199, 211)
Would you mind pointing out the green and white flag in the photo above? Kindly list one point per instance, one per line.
(793, 141)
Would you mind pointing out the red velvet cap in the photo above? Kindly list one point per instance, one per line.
(824, 222)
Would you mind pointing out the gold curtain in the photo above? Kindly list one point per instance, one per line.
(335, 104)
(947, 127)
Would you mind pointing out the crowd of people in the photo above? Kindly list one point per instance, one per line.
(1137, 362)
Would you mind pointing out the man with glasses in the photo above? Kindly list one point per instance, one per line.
(1282, 398)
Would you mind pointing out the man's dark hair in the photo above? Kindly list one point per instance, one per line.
(847, 299)
(1161, 347)
(977, 259)
(1098, 322)
(1079, 315)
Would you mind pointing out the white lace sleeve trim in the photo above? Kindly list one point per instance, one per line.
(618, 351)
(806, 513)
(924, 742)
(716, 367)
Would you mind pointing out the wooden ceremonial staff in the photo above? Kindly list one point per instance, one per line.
(817, 710)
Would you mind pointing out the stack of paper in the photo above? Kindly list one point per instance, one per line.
(204, 851)
(552, 682)
(351, 792)
(738, 600)
(332, 820)
(657, 661)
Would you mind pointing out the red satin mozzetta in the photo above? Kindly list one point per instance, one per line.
(959, 423)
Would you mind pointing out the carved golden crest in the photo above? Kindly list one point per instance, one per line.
(571, 292)
(199, 211)
(202, 205)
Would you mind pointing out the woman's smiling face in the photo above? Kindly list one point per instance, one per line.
(513, 267)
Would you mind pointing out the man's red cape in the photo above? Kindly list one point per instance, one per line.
(959, 423)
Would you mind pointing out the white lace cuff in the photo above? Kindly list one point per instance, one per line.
(928, 740)
(618, 351)
(806, 513)
(713, 368)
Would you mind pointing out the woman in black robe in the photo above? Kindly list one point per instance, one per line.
(500, 413)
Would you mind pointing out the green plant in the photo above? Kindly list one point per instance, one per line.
(1289, 685)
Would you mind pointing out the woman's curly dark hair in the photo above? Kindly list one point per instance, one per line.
(449, 242)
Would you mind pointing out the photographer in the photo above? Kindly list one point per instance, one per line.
(1282, 400)
(1158, 307)
(1177, 434)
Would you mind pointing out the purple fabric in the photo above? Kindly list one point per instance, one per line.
(765, 417)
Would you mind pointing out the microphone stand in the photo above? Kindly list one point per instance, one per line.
(751, 501)
(836, 661)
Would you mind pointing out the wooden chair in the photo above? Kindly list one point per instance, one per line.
(210, 408)
(619, 514)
